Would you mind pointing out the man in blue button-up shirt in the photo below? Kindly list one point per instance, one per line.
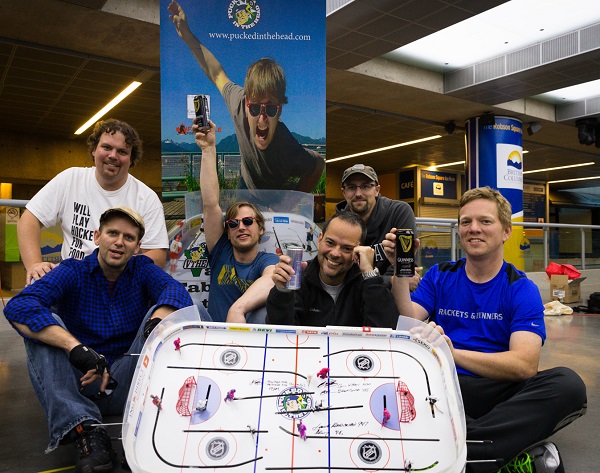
(76, 355)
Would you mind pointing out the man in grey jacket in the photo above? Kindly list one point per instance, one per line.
(361, 189)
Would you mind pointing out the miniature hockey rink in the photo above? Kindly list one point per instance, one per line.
(260, 398)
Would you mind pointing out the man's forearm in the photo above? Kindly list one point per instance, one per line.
(401, 293)
(255, 296)
(53, 335)
(209, 180)
(29, 237)
(158, 255)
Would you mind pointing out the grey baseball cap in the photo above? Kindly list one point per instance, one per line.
(360, 169)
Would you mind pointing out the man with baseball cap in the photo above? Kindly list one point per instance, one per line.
(361, 188)
(76, 355)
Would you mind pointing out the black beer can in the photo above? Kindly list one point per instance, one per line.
(405, 253)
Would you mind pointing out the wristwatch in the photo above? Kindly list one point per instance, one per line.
(371, 274)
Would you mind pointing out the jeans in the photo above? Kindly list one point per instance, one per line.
(257, 316)
(56, 384)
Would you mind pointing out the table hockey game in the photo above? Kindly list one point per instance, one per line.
(261, 398)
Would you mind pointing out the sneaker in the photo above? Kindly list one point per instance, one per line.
(94, 451)
(521, 464)
(546, 458)
(541, 458)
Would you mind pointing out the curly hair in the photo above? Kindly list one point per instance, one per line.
(112, 126)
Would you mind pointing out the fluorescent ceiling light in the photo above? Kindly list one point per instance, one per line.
(571, 94)
(559, 167)
(385, 148)
(495, 32)
(456, 163)
(109, 106)
(577, 179)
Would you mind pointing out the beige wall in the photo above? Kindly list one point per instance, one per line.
(29, 161)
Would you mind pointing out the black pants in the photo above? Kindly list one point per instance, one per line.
(514, 416)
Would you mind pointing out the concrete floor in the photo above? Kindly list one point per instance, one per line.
(573, 341)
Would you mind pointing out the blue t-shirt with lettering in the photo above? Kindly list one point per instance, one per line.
(229, 278)
(481, 317)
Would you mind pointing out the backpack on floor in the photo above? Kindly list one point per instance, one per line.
(594, 303)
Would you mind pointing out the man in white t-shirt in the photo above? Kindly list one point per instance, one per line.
(78, 196)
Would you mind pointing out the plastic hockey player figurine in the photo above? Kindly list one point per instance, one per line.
(156, 401)
(201, 406)
(174, 252)
(177, 344)
(230, 395)
(386, 417)
(324, 373)
(302, 430)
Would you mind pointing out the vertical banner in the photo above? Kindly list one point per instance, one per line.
(495, 159)
(257, 70)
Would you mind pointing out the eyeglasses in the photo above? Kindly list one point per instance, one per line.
(235, 222)
(364, 187)
(110, 388)
(256, 109)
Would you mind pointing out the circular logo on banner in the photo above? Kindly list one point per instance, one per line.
(294, 403)
(244, 14)
(363, 363)
(369, 452)
(217, 448)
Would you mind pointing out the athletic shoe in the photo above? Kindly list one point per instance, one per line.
(541, 458)
(521, 464)
(546, 458)
(94, 451)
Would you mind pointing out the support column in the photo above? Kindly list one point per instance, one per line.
(495, 159)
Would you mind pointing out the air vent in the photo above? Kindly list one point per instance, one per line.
(555, 49)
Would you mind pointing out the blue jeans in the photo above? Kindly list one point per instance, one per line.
(56, 384)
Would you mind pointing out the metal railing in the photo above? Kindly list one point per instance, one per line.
(444, 233)
(445, 230)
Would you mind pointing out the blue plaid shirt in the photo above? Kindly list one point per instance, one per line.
(78, 288)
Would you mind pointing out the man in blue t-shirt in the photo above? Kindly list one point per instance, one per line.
(240, 275)
(492, 318)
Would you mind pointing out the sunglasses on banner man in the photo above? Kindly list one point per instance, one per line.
(235, 222)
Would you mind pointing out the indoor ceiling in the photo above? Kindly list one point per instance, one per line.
(61, 61)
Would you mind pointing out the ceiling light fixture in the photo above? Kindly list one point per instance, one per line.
(109, 106)
(559, 167)
(533, 128)
(576, 179)
(385, 148)
(437, 166)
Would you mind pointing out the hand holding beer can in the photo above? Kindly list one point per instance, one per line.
(296, 254)
(405, 253)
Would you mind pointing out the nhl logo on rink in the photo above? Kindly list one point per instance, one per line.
(363, 363)
(369, 452)
(217, 448)
(230, 357)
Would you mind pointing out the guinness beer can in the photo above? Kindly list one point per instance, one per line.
(296, 254)
(405, 253)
